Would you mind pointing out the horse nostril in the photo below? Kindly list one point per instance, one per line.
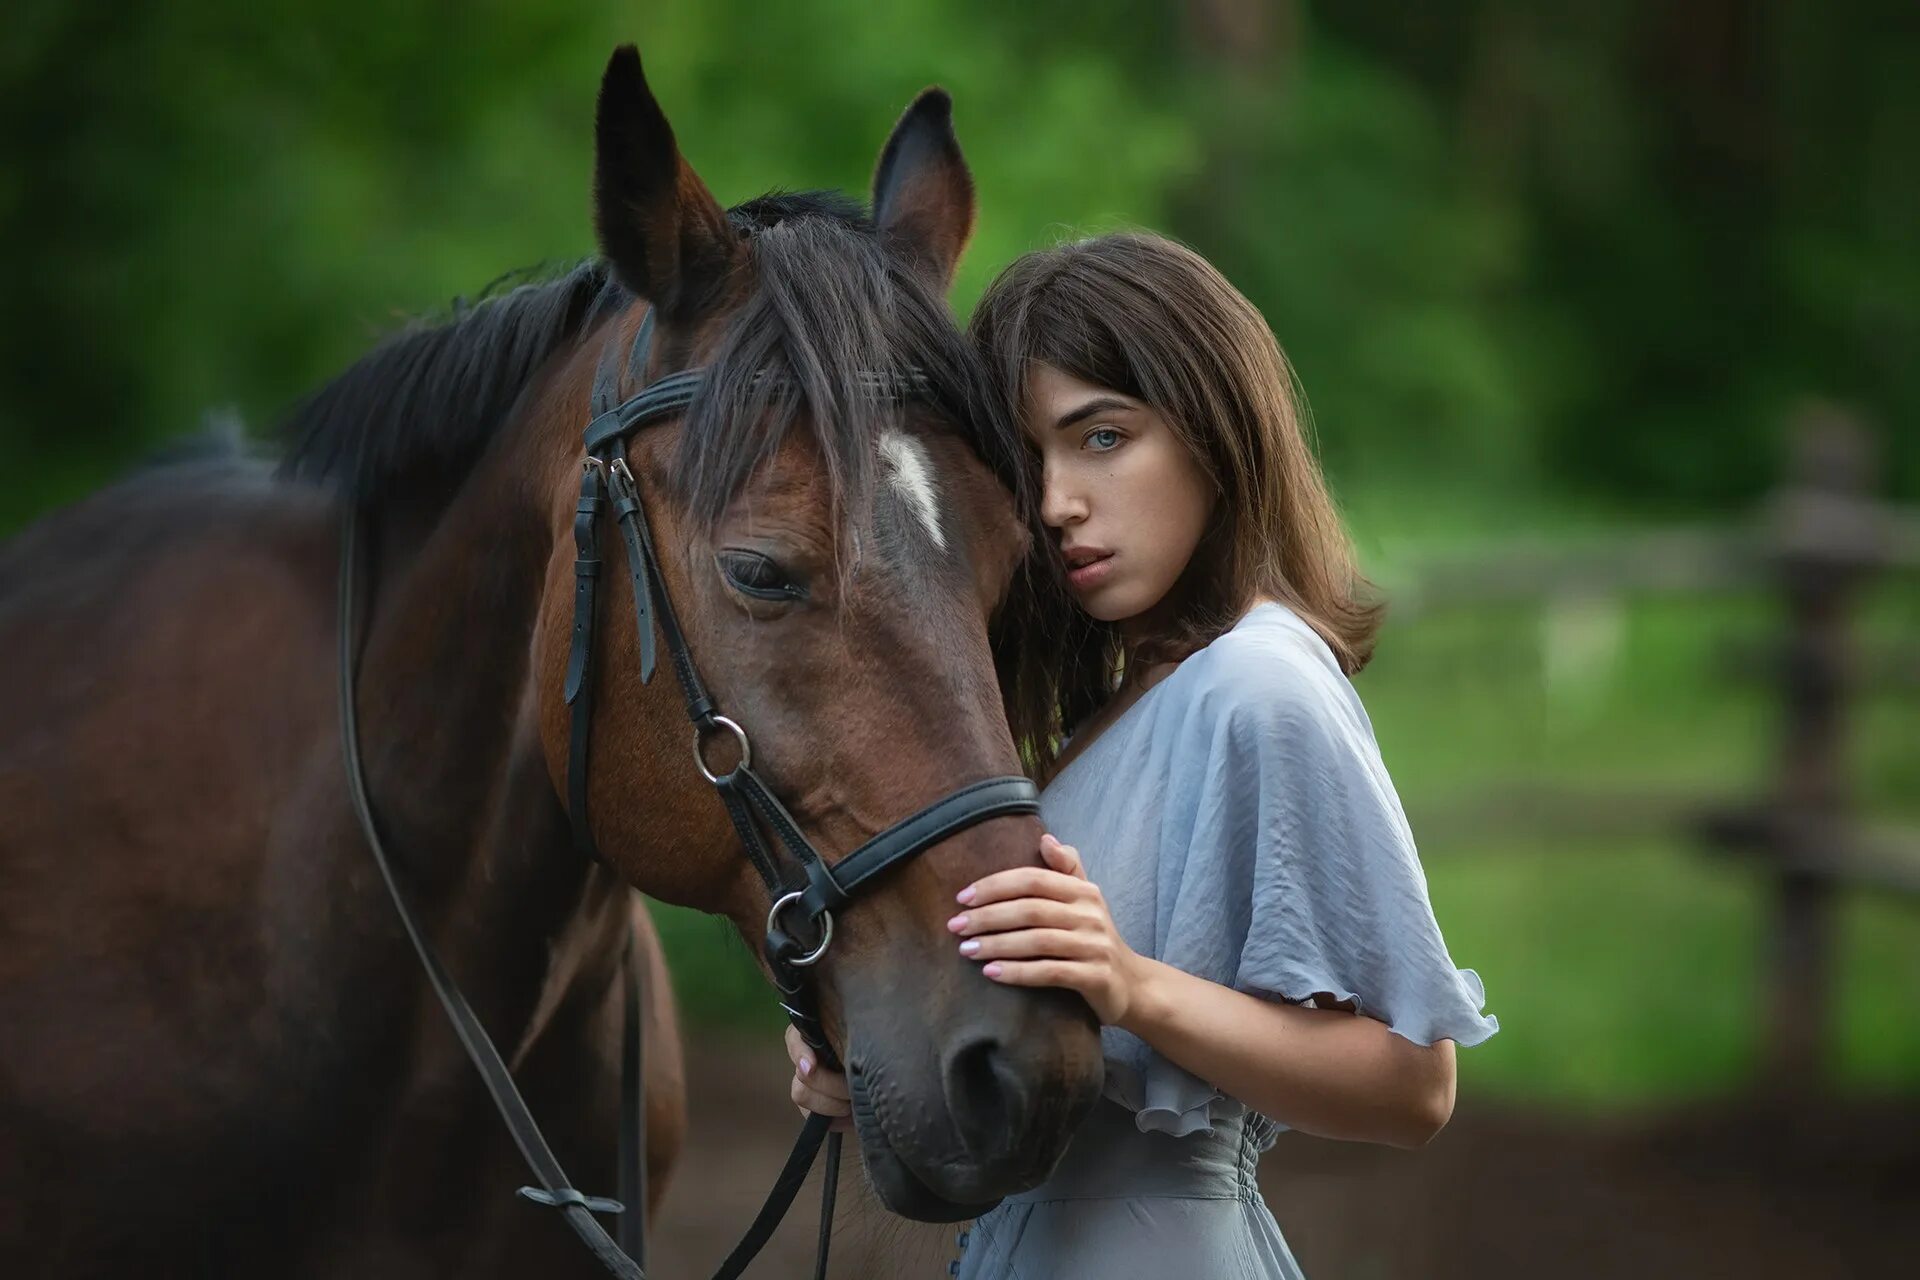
(986, 1098)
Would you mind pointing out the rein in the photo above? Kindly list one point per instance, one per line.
(803, 884)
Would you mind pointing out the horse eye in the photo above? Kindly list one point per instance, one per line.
(753, 574)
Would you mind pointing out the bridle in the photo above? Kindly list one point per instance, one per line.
(808, 898)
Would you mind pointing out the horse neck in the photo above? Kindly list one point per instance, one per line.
(449, 736)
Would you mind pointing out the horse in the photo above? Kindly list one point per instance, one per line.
(219, 1056)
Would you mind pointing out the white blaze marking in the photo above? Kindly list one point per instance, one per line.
(913, 480)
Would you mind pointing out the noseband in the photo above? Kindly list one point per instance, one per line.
(805, 890)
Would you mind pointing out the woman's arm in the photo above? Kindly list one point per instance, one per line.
(1322, 1071)
(1325, 1072)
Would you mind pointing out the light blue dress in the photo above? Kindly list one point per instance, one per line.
(1242, 827)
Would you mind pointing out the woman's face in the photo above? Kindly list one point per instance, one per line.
(1127, 501)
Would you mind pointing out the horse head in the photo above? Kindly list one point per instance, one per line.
(836, 556)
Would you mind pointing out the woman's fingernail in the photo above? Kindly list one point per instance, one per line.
(992, 971)
(957, 923)
(964, 896)
(970, 946)
(806, 1066)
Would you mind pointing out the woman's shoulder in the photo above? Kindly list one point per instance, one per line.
(1270, 670)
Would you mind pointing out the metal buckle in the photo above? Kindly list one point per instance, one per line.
(826, 930)
(700, 755)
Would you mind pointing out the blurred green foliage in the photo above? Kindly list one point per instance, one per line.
(1591, 250)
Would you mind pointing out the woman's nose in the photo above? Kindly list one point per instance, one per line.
(1059, 506)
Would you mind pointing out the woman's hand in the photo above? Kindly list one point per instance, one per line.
(817, 1089)
(1049, 927)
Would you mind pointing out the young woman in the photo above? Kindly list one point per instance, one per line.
(1233, 888)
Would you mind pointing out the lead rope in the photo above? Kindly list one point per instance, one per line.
(556, 1189)
(631, 1173)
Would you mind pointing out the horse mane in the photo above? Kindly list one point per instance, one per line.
(831, 302)
(416, 412)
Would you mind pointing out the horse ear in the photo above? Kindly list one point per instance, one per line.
(922, 190)
(664, 233)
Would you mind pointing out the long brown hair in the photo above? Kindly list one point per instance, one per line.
(1149, 317)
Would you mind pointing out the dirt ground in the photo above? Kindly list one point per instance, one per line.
(1742, 1190)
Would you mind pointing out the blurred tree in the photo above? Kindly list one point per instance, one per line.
(1717, 207)
(1584, 249)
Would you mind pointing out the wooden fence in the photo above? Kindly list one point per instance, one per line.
(1820, 542)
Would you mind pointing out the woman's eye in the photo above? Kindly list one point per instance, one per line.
(1103, 439)
(753, 574)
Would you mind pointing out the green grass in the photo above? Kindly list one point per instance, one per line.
(1624, 963)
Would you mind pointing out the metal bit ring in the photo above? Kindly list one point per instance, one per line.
(699, 748)
(826, 930)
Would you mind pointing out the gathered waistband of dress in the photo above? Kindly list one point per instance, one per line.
(1110, 1158)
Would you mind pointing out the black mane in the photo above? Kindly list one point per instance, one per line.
(829, 301)
(418, 410)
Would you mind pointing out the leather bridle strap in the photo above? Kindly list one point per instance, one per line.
(750, 805)
(631, 1171)
(626, 1259)
(833, 888)
(792, 1175)
(555, 1189)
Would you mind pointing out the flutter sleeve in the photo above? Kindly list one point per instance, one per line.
(1287, 870)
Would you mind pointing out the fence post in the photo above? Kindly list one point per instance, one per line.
(1819, 552)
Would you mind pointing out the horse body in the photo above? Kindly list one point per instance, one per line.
(220, 1050)
(218, 1055)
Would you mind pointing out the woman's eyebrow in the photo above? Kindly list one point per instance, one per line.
(1099, 404)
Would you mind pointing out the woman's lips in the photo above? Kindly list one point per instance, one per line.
(1090, 574)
